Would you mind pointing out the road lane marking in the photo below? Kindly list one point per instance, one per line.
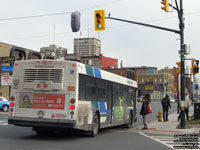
(5, 122)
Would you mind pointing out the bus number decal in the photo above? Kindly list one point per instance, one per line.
(71, 88)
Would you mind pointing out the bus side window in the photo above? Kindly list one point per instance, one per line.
(82, 82)
(91, 89)
(101, 89)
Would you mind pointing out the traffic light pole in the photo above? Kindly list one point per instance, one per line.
(182, 52)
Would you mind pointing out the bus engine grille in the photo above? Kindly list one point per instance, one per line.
(54, 75)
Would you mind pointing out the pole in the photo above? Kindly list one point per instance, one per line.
(178, 104)
(181, 26)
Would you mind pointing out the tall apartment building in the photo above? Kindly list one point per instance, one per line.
(87, 46)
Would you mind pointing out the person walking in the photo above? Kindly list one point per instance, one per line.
(144, 112)
(187, 106)
(165, 105)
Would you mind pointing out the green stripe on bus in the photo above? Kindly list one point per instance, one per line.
(89, 70)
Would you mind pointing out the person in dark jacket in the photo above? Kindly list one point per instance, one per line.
(165, 105)
(144, 112)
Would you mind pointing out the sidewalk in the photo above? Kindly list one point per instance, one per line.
(170, 126)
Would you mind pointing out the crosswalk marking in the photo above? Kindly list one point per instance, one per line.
(165, 140)
(3, 123)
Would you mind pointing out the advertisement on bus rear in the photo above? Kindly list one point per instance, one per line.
(42, 101)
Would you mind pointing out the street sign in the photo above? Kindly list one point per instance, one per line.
(7, 59)
(7, 69)
(6, 80)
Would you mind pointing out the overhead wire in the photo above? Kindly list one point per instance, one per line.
(55, 14)
(64, 13)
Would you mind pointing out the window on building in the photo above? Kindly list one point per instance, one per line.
(86, 62)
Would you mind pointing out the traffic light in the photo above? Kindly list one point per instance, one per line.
(99, 18)
(166, 5)
(178, 69)
(195, 66)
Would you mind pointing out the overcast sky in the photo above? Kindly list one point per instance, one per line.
(133, 44)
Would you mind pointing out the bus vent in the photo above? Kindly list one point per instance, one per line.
(54, 75)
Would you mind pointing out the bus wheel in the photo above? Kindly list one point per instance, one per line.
(130, 121)
(95, 126)
(5, 108)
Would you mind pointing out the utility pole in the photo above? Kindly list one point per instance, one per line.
(182, 52)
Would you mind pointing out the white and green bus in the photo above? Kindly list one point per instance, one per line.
(48, 95)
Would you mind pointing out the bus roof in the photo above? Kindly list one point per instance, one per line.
(86, 70)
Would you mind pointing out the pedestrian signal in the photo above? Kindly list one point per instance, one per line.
(195, 66)
(99, 17)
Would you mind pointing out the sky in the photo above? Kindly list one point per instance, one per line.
(135, 45)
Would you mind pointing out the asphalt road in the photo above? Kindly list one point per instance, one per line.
(23, 138)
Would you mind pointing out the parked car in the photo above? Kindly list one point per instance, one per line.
(4, 104)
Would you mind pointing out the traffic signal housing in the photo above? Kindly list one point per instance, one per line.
(166, 5)
(195, 66)
(99, 18)
(75, 21)
(178, 69)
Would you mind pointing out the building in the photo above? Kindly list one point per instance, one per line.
(130, 74)
(53, 50)
(153, 82)
(156, 85)
(100, 61)
(87, 46)
(12, 53)
(142, 70)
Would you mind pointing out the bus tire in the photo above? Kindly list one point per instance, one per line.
(130, 121)
(95, 126)
(5, 108)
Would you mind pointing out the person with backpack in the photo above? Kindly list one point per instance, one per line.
(165, 105)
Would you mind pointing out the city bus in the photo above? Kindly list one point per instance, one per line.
(49, 95)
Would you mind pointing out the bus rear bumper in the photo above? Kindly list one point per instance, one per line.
(41, 122)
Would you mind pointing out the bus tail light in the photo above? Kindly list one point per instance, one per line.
(12, 104)
(38, 85)
(45, 85)
(72, 100)
(12, 98)
(72, 107)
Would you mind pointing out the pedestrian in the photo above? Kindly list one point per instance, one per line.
(186, 107)
(165, 105)
(144, 112)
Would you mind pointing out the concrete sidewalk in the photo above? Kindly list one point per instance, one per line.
(170, 126)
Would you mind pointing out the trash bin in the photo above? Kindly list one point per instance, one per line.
(196, 110)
